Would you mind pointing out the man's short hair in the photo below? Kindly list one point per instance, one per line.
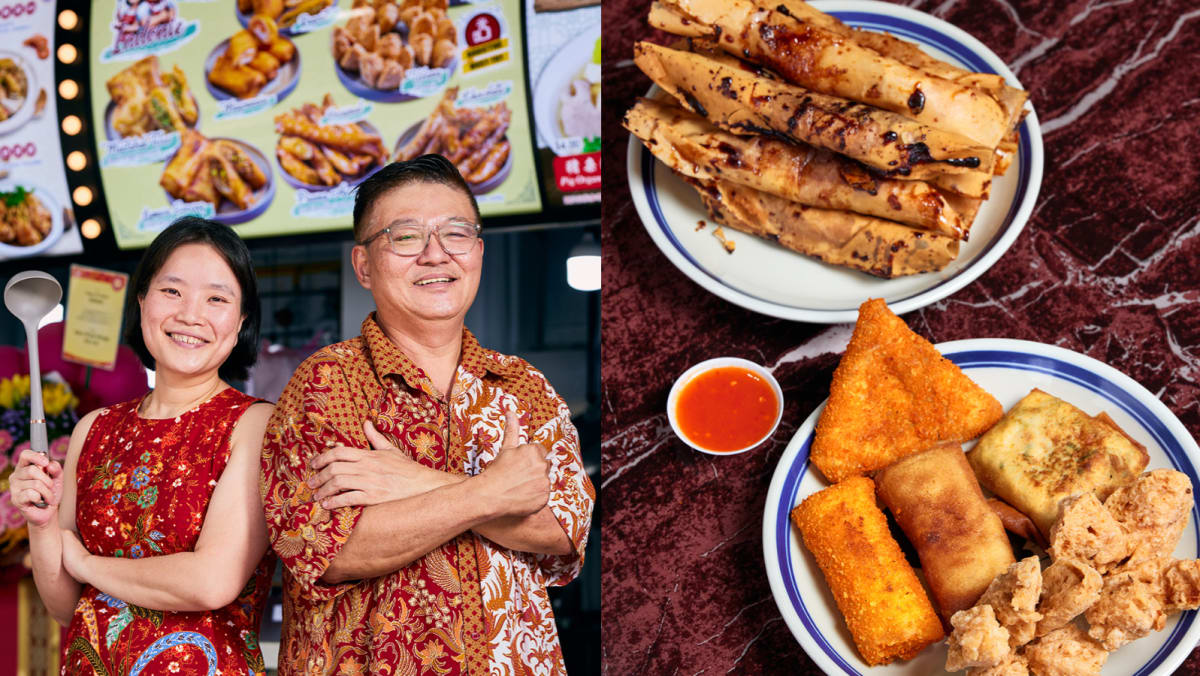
(423, 169)
(222, 238)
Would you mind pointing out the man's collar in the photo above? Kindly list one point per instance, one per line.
(389, 359)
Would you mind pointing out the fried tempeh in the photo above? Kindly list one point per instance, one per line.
(820, 60)
(814, 177)
(742, 102)
(872, 245)
(879, 595)
(938, 503)
(892, 395)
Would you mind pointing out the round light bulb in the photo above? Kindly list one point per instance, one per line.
(68, 19)
(67, 53)
(90, 228)
(82, 195)
(72, 125)
(76, 160)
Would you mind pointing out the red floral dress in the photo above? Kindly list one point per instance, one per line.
(143, 490)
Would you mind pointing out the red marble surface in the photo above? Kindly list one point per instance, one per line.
(1109, 265)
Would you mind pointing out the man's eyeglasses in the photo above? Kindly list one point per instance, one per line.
(410, 240)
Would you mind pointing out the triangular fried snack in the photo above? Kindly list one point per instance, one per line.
(892, 395)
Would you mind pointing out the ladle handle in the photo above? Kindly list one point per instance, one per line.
(38, 441)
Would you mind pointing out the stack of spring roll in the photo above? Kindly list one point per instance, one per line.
(855, 148)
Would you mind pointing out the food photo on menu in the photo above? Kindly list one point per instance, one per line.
(267, 112)
(905, 401)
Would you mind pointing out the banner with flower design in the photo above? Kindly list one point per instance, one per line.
(61, 415)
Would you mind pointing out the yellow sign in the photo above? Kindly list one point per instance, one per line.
(95, 304)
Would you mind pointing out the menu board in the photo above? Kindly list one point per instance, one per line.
(564, 69)
(35, 208)
(266, 114)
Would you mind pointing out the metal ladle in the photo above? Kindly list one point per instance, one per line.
(31, 295)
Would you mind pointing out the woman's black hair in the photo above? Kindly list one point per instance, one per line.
(423, 169)
(222, 238)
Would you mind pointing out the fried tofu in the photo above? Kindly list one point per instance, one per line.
(978, 640)
(1066, 652)
(1154, 511)
(1086, 531)
(877, 591)
(1069, 587)
(1013, 596)
(1045, 449)
(892, 395)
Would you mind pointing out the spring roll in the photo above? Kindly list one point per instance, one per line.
(821, 60)
(183, 166)
(879, 595)
(247, 168)
(227, 182)
(801, 173)
(742, 102)
(938, 503)
(872, 245)
(1011, 99)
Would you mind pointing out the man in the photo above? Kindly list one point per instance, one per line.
(421, 490)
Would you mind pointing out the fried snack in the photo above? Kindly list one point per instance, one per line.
(808, 55)
(252, 58)
(934, 497)
(741, 101)
(693, 147)
(1045, 449)
(145, 98)
(1153, 511)
(241, 81)
(326, 155)
(212, 171)
(1013, 596)
(1066, 652)
(24, 220)
(298, 8)
(893, 395)
(369, 44)
(474, 139)
(978, 639)
(1016, 522)
(872, 245)
(227, 182)
(1069, 587)
(1087, 532)
(1011, 99)
(876, 590)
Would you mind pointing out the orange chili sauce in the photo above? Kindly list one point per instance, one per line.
(726, 409)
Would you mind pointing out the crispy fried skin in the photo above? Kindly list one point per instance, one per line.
(892, 395)
(1045, 449)
(879, 595)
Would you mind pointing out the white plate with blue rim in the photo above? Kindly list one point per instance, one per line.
(769, 279)
(1008, 369)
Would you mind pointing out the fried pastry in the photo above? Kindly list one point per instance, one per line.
(878, 593)
(892, 395)
(1045, 449)
(962, 544)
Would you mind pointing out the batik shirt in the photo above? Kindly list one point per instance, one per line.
(143, 488)
(466, 607)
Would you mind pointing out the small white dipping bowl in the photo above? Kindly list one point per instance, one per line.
(720, 362)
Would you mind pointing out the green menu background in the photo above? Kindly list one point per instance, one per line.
(130, 188)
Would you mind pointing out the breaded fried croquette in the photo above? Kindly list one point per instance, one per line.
(892, 395)
(877, 591)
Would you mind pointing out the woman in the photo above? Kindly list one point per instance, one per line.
(152, 545)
